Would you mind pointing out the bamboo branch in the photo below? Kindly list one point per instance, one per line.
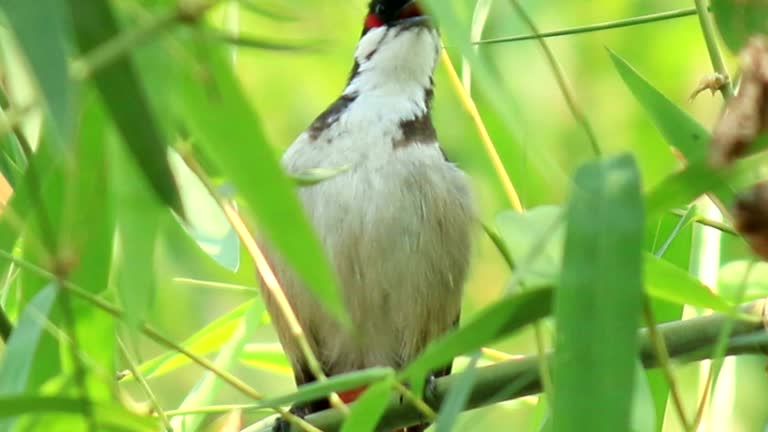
(643, 19)
(687, 341)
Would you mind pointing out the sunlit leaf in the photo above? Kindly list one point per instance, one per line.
(205, 220)
(208, 386)
(270, 357)
(204, 341)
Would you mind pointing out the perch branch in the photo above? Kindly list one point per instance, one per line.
(687, 341)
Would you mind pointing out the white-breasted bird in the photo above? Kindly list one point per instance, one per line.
(396, 225)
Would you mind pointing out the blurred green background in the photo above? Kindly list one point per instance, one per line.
(541, 150)
(541, 145)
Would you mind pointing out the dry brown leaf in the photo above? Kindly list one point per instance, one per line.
(746, 115)
(750, 217)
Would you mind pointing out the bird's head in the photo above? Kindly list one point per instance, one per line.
(399, 44)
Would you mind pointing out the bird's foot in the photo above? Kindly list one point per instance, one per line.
(283, 425)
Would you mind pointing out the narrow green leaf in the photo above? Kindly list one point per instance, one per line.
(89, 227)
(124, 97)
(46, 54)
(534, 240)
(731, 280)
(368, 409)
(21, 209)
(644, 416)
(737, 20)
(337, 383)
(489, 325)
(216, 112)
(668, 282)
(21, 348)
(205, 221)
(139, 216)
(112, 417)
(679, 129)
(270, 357)
(209, 385)
(598, 303)
(204, 341)
(679, 189)
(457, 397)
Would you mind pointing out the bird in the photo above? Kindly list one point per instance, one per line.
(396, 223)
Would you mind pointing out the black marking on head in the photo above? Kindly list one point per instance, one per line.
(330, 115)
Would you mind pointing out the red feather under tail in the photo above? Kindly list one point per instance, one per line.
(350, 396)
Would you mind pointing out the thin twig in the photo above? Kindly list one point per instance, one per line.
(715, 57)
(122, 44)
(701, 220)
(719, 352)
(662, 356)
(148, 331)
(562, 82)
(644, 19)
(270, 280)
(485, 137)
(416, 401)
(144, 385)
(688, 340)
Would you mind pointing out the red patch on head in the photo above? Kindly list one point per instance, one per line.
(373, 21)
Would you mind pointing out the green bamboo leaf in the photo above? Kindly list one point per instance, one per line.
(338, 383)
(270, 357)
(679, 129)
(731, 280)
(46, 54)
(209, 385)
(125, 99)
(90, 235)
(139, 216)
(216, 112)
(534, 240)
(738, 20)
(598, 303)
(110, 416)
(665, 281)
(206, 222)
(489, 325)
(457, 397)
(21, 208)
(368, 409)
(21, 348)
(203, 342)
(679, 189)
